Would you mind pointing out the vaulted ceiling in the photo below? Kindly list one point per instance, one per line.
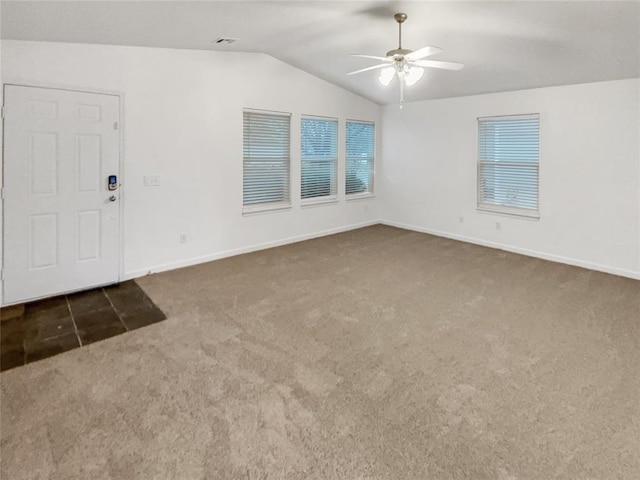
(504, 45)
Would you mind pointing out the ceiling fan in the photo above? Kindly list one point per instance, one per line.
(407, 65)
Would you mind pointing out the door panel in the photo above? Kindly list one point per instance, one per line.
(61, 229)
(88, 235)
(88, 167)
(43, 241)
(43, 163)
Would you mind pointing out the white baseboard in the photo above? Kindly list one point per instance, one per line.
(276, 243)
(523, 251)
(239, 251)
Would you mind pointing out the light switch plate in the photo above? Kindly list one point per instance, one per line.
(151, 181)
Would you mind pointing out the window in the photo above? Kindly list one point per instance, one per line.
(266, 160)
(508, 160)
(360, 154)
(319, 153)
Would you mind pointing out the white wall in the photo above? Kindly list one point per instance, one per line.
(589, 173)
(183, 122)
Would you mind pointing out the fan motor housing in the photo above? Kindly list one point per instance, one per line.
(398, 52)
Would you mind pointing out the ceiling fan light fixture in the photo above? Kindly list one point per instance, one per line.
(413, 75)
(406, 64)
(386, 75)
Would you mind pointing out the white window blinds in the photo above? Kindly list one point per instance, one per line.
(319, 155)
(508, 160)
(266, 159)
(360, 156)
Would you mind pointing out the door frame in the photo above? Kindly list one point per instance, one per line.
(121, 184)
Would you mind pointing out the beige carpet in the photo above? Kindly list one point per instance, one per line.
(374, 354)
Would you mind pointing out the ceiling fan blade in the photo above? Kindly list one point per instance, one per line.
(423, 52)
(369, 68)
(438, 64)
(382, 59)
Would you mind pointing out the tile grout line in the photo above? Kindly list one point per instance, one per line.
(115, 310)
(67, 301)
(75, 327)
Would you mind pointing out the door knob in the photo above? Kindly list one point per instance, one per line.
(112, 198)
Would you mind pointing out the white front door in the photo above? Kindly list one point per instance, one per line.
(61, 221)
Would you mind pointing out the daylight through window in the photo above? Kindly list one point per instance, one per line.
(266, 159)
(319, 156)
(508, 163)
(360, 157)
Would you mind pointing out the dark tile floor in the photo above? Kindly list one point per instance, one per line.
(47, 327)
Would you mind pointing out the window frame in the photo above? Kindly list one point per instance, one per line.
(332, 197)
(370, 192)
(285, 203)
(484, 207)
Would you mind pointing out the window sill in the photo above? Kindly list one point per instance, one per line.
(316, 202)
(259, 209)
(360, 196)
(509, 212)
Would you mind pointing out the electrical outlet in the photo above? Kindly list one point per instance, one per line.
(498, 226)
(461, 219)
(183, 238)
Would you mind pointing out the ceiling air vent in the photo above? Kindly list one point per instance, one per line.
(224, 40)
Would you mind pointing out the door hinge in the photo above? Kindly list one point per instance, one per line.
(2, 275)
(2, 193)
(2, 111)
(115, 125)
